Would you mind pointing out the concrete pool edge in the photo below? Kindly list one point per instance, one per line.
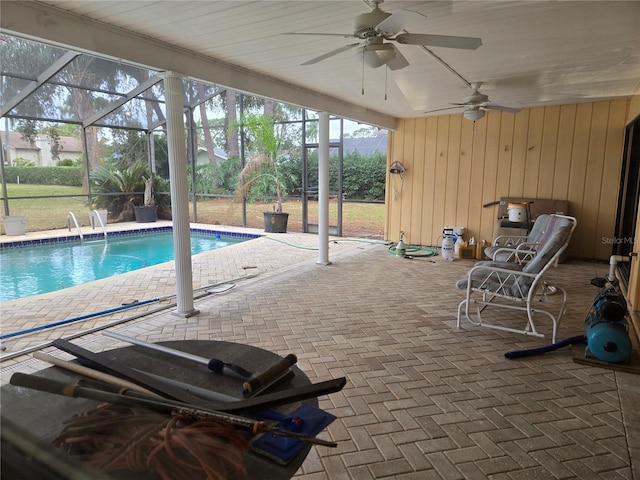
(49, 237)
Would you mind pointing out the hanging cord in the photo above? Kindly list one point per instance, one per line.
(363, 49)
(386, 75)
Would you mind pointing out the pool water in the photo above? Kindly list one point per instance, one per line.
(45, 268)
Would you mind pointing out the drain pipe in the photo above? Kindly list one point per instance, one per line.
(613, 262)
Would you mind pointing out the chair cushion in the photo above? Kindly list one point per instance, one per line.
(550, 248)
(538, 234)
(490, 280)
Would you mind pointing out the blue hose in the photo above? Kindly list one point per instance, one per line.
(547, 348)
(75, 319)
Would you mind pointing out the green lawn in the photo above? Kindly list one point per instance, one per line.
(52, 213)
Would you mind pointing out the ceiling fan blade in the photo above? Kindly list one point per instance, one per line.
(344, 35)
(330, 54)
(441, 109)
(501, 108)
(448, 41)
(397, 21)
(397, 62)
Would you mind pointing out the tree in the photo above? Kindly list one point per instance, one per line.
(28, 130)
(264, 140)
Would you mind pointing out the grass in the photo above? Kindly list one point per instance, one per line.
(358, 219)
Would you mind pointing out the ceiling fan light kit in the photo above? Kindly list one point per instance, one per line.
(376, 55)
(473, 114)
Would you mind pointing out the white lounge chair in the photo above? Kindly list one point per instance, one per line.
(517, 285)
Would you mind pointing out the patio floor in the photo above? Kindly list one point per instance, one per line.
(423, 400)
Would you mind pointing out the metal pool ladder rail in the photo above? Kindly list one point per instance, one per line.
(96, 216)
(75, 221)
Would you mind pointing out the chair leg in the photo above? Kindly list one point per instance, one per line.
(459, 321)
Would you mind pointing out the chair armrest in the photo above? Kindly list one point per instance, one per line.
(516, 239)
(518, 255)
(500, 280)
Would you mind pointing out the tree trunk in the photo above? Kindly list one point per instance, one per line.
(269, 108)
(208, 141)
(233, 142)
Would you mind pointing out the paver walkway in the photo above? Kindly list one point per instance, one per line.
(423, 399)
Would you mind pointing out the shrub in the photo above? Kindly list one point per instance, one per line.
(68, 176)
(118, 186)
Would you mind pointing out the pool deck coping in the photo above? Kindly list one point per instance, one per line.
(65, 235)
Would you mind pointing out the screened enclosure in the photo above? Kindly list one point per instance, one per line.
(82, 133)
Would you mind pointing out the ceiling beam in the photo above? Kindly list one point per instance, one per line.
(45, 23)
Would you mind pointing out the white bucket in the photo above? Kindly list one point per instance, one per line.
(15, 225)
(517, 212)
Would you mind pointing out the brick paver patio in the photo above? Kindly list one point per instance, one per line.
(423, 399)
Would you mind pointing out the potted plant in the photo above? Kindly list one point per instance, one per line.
(148, 211)
(264, 140)
(113, 184)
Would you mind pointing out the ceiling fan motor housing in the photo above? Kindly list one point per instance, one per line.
(476, 98)
(364, 25)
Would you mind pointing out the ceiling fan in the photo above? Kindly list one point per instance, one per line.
(476, 105)
(376, 29)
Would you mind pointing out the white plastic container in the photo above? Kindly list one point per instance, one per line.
(448, 248)
(457, 246)
(15, 225)
(96, 217)
(517, 212)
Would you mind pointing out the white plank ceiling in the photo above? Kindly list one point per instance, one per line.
(533, 52)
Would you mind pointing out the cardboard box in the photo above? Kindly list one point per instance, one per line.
(468, 252)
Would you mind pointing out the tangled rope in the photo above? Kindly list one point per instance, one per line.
(112, 438)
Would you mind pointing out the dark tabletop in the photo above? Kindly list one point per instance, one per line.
(43, 414)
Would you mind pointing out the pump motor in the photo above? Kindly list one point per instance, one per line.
(607, 330)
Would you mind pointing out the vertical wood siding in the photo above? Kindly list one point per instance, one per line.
(454, 166)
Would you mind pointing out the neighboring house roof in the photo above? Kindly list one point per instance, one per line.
(70, 144)
(67, 144)
(16, 141)
(366, 145)
(218, 152)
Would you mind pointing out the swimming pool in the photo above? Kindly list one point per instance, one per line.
(47, 265)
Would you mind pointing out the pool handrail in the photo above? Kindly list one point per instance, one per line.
(96, 216)
(75, 221)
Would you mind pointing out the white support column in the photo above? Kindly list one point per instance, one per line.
(323, 190)
(173, 90)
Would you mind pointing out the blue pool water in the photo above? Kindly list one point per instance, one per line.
(47, 267)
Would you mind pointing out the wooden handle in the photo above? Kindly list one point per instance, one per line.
(91, 373)
(270, 374)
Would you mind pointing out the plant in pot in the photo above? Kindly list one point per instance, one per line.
(113, 184)
(148, 211)
(261, 170)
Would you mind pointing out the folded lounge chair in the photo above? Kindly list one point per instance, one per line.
(518, 285)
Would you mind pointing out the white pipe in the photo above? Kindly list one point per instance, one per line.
(323, 190)
(173, 89)
(613, 261)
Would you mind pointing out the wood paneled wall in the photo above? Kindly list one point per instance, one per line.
(454, 166)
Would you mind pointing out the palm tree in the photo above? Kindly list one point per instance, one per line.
(264, 139)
